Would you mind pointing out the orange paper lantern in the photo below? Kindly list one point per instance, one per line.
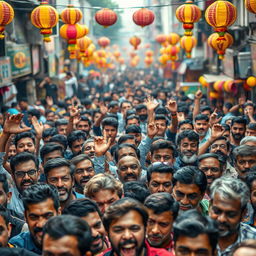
(135, 42)
(173, 38)
(250, 5)
(188, 43)
(71, 15)
(6, 16)
(103, 42)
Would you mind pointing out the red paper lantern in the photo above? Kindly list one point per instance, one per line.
(135, 41)
(143, 17)
(6, 16)
(250, 5)
(45, 17)
(103, 42)
(71, 15)
(161, 39)
(106, 17)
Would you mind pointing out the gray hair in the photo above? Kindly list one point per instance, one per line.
(248, 139)
(231, 188)
(87, 141)
(243, 151)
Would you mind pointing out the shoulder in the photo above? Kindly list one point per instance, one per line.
(247, 232)
(20, 239)
(158, 252)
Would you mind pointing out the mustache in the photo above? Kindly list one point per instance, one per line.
(26, 181)
(130, 241)
(130, 175)
(97, 237)
(37, 229)
(85, 179)
(186, 206)
(155, 236)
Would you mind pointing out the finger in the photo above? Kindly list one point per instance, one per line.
(25, 129)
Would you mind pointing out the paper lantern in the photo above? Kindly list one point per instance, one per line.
(163, 59)
(172, 51)
(220, 45)
(6, 16)
(83, 43)
(173, 38)
(220, 15)
(143, 17)
(135, 42)
(250, 5)
(149, 53)
(161, 39)
(121, 61)
(117, 54)
(251, 81)
(103, 42)
(106, 17)
(188, 43)
(218, 86)
(213, 95)
(45, 17)
(148, 61)
(71, 15)
(230, 86)
(203, 81)
(188, 14)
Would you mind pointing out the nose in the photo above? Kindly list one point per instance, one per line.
(127, 234)
(59, 183)
(26, 176)
(40, 223)
(154, 229)
(247, 165)
(161, 188)
(94, 232)
(129, 170)
(184, 200)
(221, 218)
(208, 172)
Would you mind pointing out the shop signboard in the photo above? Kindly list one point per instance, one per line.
(35, 59)
(5, 71)
(20, 59)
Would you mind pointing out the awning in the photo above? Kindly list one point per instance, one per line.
(213, 78)
(192, 64)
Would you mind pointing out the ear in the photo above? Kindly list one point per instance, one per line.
(88, 254)
(9, 197)
(9, 229)
(59, 211)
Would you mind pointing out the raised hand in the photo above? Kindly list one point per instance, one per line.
(103, 109)
(198, 95)
(38, 127)
(172, 106)
(74, 112)
(49, 101)
(152, 130)
(151, 104)
(13, 124)
(217, 131)
(214, 118)
(101, 145)
(181, 116)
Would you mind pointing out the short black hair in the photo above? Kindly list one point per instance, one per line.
(61, 139)
(61, 121)
(39, 193)
(68, 225)
(158, 167)
(109, 121)
(206, 108)
(124, 138)
(139, 107)
(162, 202)
(133, 128)
(22, 158)
(49, 132)
(136, 190)
(81, 208)
(58, 162)
(212, 155)
(192, 224)
(202, 117)
(23, 135)
(50, 147)
(86, 119)
(238, 120)
(223, 138)
(163, 144)
(228, 105)
(5, 214)
(250, 178)
(186, 121)
(191, 175)
(3, 180)
(190, 134)
(161, 117)
(125, 145)
(34, 112)
(76, 135)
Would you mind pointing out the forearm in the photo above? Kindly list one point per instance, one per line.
(234, 108)
(151, 116)
(174, 123)
(196, 109)
(203, 149)
(3, 140)
(70, 125)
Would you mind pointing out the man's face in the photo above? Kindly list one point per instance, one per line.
(160, 182)
(219, 146)
(250, 132)
(97, 116)
(201, 127)
(238, 131)
(26, 145)
(127, 234)
(227, 213)
(83, 173)
(133, 121)
(243, 165)
(4, 197)
(125, 106)
(249, 110)
(159, 228)
(5, 232)
(25, 175)
(110, 132)
(50, 116)
(188, 195)
(188, 150)
(199, 245)
(89, 149)
(185, 127)
(143, 114)
(253, 195)
(162, 126)
(52, 155)
(138, 138)
(60, 178)
(207, 113)
(126, 151)
(211, 168)
(129, 169)
(98, 232)
(36, 216)
(66, 245)
(164, 155)
(77, 146)
(104, 198)
(62, 129)
(83, 126)
(23, 105)
(12, 151)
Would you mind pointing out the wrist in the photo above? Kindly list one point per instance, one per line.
(5, 133)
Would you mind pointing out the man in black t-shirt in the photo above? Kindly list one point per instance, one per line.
(50, 88)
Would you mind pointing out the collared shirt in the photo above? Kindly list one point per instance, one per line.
(205, 138)
(245, 232)
(24, 240)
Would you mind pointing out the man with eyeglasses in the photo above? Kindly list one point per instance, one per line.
(211, 166)
(25, 173)
(84, 171)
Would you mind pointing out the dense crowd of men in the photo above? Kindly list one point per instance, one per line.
(127, 166)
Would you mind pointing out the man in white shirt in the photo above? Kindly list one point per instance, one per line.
(71, 84)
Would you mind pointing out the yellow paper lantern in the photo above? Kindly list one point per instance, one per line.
(250, 5)
(6, 16)
(251, 81)
(188, 43)
(173, 38)
(71, 15)
(203, 81)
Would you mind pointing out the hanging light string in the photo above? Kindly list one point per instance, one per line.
(116, 8)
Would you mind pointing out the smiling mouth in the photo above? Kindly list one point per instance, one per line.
(128, 250)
